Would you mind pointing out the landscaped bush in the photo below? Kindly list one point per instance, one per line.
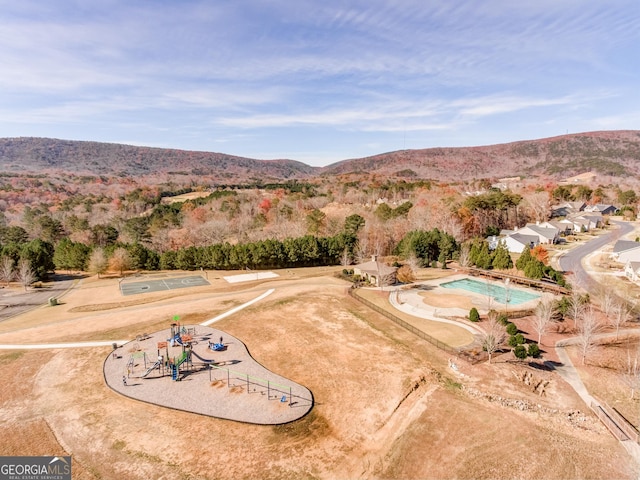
(520, 352)
(503, 319)
(474, 316)
(534, 350)
(515, 340)
(512, 329)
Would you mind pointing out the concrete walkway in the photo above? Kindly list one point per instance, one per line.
(109, 343)
(411, 303)
(39, 346)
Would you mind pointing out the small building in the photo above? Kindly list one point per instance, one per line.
(376, 272)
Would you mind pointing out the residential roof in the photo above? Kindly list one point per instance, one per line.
(524, 239)
(546, 232)
(635, 266)
(624, 245)
(600, 207)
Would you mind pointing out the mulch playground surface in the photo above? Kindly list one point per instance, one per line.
(227, 384)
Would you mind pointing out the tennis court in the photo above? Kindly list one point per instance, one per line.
(149, 286)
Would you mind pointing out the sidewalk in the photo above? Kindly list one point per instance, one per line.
(410, 302)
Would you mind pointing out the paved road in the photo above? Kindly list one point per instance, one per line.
(572, 260)
(14, 303)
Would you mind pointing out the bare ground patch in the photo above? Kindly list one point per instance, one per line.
(387, 405)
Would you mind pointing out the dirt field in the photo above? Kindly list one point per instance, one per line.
(387, 405)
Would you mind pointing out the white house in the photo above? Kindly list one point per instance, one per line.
(546, 235)
(577, 224)
(516, 242)
(625, 251)
(632, 271)
(563, 228)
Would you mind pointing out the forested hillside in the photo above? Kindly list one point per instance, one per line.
(107, 213)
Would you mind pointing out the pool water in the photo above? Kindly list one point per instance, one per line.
(499, 293)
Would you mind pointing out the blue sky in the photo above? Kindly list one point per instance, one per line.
(317, 81)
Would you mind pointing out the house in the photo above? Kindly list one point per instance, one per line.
(594, 220)
(602, 209)
(531, 235)
(546, 235)
(583, 222)
(567, 208)
(625, 251)
(376, 272)
(632, 271)
(516, 242)
(563, 228)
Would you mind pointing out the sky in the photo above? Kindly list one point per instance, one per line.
(317, 81)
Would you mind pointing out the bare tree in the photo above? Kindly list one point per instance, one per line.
(608, 301)
(576, 306)
(25, 273)
(494, 334)
(619, 316)
(631, 373)
(413, 262)
(98, 263)
(588, 326)
(489, 294)
(7, 273)
(463, 259)
(543, 317)
(345, 258)
(537, 205)
(120, 260)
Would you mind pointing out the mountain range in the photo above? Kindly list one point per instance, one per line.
(610, 153)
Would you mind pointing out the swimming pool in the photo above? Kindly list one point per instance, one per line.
(499, 293)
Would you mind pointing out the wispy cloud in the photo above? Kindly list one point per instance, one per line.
(249, 72)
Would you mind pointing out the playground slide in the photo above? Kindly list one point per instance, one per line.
(175, 340)
(151, 369)
(205, 360)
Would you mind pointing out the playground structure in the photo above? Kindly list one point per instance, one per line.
(168, 362)
(190, 369)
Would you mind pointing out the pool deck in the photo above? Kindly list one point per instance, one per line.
(410, 302)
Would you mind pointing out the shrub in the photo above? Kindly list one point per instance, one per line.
(474, 316)
(520, 352)
(534, 350)
(515, 340)
(503, 319)
(511, 328)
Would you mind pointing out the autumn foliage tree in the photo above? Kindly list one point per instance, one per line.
(540, 253)
(120, 260)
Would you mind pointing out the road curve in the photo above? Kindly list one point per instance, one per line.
(572, 260)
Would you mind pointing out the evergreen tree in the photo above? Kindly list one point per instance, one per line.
(501, 258)
(525, 257)
(483, 259)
